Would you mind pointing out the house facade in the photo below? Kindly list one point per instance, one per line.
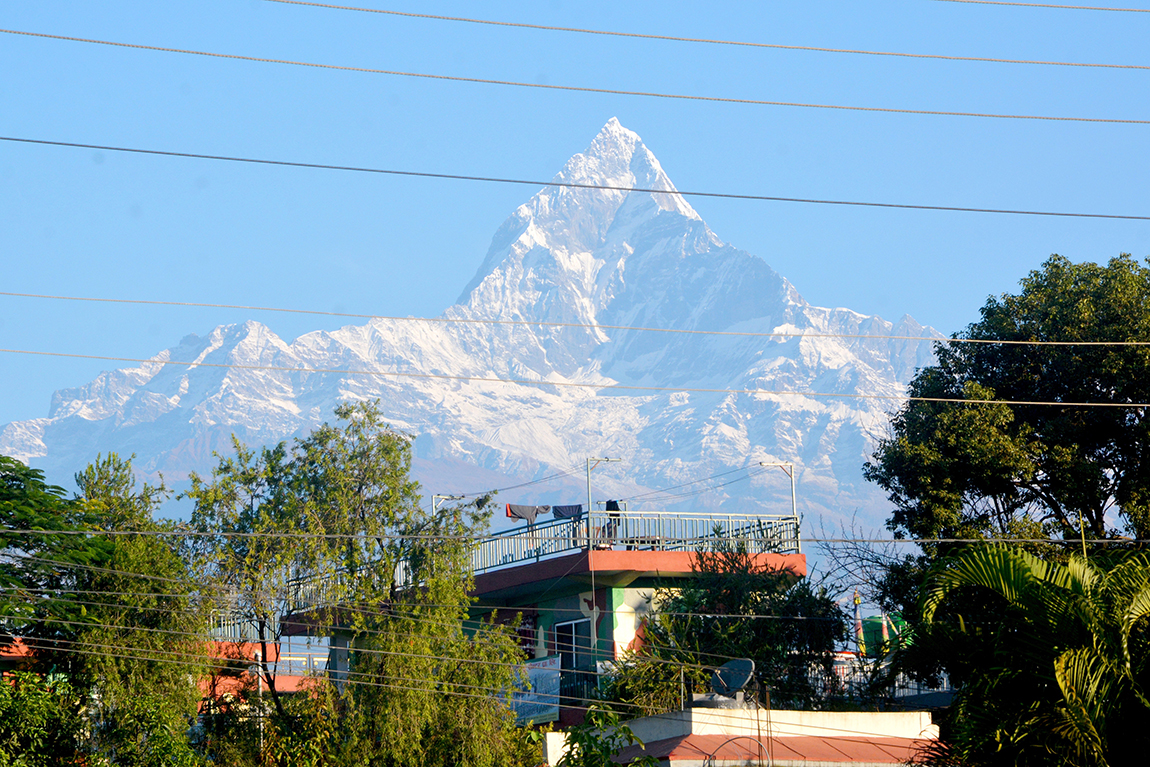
(583, 584)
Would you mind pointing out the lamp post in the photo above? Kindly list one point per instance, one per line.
(439, 500)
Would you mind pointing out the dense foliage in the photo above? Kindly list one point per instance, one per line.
(324, 535)
(328, 533)
(1062, 671)
(1028, 442)
(1014, 466)
(734, 607)
(113, 617)
(1045, 444)
(39, 721)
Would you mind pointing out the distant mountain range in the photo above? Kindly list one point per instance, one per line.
(589, 262)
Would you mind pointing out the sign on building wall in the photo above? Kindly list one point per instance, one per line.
(539, 700)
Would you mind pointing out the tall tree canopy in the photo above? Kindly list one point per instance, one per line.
(328, 533)
(1043, 441)
(116, 616)
(1016, 467)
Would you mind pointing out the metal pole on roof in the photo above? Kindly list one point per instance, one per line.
(789, 469)
(591, 464)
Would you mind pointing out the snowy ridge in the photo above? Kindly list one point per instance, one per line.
(584, 257)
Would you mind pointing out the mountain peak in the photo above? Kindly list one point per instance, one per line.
(592, 195)
(617, 157)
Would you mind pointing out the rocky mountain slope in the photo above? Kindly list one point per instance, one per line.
(562, 297)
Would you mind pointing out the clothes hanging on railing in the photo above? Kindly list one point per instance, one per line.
(516, 511)
(571, 511)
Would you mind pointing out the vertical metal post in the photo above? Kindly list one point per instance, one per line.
(795, 511)
(589, 503)
(1082, 525)
(789, 468)
(260, 689)
(592, 463)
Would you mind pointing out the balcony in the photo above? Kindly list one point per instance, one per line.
(597, 531)
(637, 531)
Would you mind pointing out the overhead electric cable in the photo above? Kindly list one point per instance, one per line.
(444, 688)
(661, 490)
(482, 537)
(575, 384)
(548, 478)
(709, 41)
(708, 488)
(581, 89)
(359, 608)
(1050, 5)
(207, 635)
(583, 325)
(472, 605)
(570, 185)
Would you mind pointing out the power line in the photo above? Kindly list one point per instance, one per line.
(358, 607)
(580, 325)
(1050, 5)
(663, 490)
(709, 41)
(577, 384)
(472, 605)
(580, 89)
(486, 536)
(558, 645)
(462, 658)
(559, 475)
(571, 185)
(662, 495)
(494, 692)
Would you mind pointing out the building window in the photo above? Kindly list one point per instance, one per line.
(573, 644)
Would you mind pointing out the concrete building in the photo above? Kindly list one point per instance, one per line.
(583, 584)
(708, 737)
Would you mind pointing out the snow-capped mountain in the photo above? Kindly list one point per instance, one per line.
(568, 285)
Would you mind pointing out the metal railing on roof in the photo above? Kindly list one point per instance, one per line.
(637, 530)
(625, 530)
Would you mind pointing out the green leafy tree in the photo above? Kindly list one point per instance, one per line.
(977, 456)
(36, 563)
(734, 607)
(598, 739)
(1059, 671)
(116, 615)
(40, 721)
(142, 641)
(955, 470)
(249, 550)
(328, 533)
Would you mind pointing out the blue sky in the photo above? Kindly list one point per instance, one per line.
(87, 223)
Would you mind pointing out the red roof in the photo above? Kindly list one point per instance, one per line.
(790, 750)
